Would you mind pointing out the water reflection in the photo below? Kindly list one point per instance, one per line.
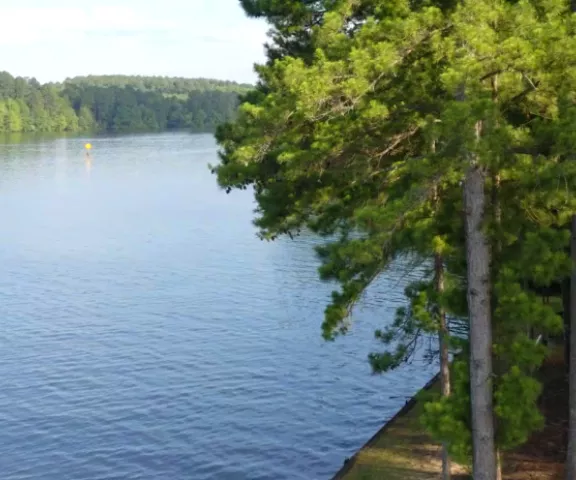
(143, 320)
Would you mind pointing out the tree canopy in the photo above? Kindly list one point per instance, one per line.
(165, 85)
(371, 121)
(115, 104)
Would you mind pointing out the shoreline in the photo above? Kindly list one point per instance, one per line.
(402, 449)
(355, 462)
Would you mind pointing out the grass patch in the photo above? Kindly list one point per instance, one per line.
(403, 450)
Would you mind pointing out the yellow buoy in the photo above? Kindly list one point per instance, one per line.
(88, 146)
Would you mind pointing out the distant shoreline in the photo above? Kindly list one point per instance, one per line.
(116, 103)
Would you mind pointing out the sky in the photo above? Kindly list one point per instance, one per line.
(55, 39)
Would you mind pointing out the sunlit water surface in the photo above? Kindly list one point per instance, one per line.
(146, 333)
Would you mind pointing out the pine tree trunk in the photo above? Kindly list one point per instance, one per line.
(498, 367)
(571, 453)
(444, 356)
(443, 335)
(478, 272)
(496, 250)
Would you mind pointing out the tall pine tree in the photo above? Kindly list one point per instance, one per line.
(337, 140)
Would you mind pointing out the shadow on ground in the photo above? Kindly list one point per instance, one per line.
(402, 450)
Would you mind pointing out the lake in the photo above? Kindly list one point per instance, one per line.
(148, 334)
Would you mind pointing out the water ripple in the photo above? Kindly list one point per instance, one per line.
(147, 333)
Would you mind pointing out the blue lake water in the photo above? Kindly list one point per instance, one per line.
(146, 333)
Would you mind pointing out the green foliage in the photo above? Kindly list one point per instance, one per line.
(448, 418)
(415, 328)
(167, 85)
(361, 130)
(516, 407)
(116, 103)
(125, 108)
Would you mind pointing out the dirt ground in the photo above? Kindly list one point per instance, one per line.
(403, 451)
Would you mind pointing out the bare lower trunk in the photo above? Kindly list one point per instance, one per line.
(497, 209)
(498, 367)
(444, 356)
(571, 453)
(478, 271)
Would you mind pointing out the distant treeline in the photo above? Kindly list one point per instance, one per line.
(166, 85)
(115, 104)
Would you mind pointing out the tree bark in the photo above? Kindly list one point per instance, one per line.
(444, 355)
(498, 368)
(443, 335)
(496, 249)
(478, 273)
(571, 452)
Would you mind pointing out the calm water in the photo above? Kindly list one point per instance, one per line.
(147, 334)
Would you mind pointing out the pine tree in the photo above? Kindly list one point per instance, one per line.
(355, 262)
(338, 141)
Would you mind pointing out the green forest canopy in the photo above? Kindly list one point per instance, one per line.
(443, 132)
(166, 85)
(115, 103)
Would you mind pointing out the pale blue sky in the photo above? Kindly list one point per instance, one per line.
(54, 39)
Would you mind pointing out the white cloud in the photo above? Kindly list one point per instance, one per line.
(25, 26)
(210, 38)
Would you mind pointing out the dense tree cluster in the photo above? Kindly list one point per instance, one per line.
(27, 106)
(121, 109)
(166, 85)
(120, 105)
(440, 131)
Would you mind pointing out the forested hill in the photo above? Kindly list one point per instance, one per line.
(115, 104)
(166, 85)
